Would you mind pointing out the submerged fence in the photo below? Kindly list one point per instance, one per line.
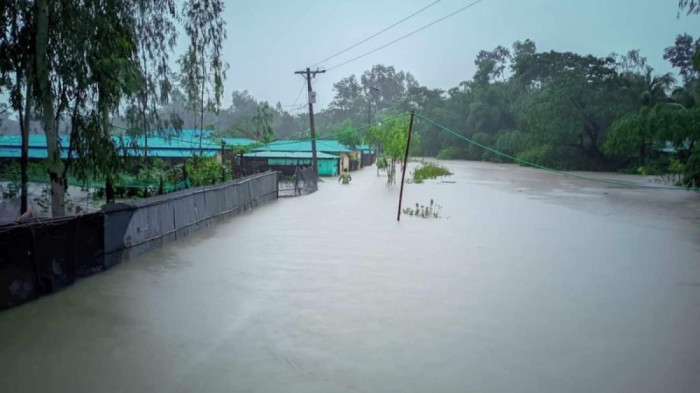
(46, 255)
(304, 182)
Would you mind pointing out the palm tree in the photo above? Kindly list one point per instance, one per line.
(655, 88)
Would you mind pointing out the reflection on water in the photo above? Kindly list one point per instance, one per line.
(530, 282)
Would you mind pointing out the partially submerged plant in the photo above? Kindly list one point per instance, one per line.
(428, 170)
(424, 211)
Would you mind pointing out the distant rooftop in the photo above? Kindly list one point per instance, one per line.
(170, 145)
(322, 145)
(289, 154)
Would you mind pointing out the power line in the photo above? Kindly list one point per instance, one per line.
(330, 136)
(376, 34)
(300, 91)
(407, 35)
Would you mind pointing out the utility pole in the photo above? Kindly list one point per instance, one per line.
(308, 74)
(405, 161)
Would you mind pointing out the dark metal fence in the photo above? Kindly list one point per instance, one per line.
(45, 255)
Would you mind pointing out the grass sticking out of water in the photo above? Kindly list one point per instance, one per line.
(428, 170)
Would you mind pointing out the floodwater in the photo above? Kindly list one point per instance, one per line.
(530, 282)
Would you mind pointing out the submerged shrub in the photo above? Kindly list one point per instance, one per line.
(429, 170)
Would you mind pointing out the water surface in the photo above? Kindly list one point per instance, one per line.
(530, 282)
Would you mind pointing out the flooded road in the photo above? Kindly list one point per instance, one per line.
(530, 282)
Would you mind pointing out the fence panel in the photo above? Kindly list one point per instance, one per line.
(46, 255)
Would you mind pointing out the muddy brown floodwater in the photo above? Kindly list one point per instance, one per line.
(530, 282)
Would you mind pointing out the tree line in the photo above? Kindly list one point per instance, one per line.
(558, 109)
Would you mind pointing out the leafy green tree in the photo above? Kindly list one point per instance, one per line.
(681, 55)
(385, 85)
(156, 37)
(491, 65)
(572, 100)
(90, 52)
(203, 69)
(262, 124)
(16, 26)
(346, 134)
(633, 135)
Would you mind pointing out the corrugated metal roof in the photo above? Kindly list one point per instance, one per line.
(34, 153)
(239, 141)
(365, 148)
(35, 140)
(176, 146)
(289, 154)
(322, 145)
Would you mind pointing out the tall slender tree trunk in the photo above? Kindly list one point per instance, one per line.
(24, 129)
(201, 103)
(144, 99)
(54, 164)
(104, 119)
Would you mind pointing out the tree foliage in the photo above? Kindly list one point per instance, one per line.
(83, 61)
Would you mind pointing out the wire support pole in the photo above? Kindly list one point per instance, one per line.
(308, 74)
(405, 161)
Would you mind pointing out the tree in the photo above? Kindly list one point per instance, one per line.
(86, 67)
(156, 37)
(346, 134)
(17, 27)
(262, 124)
(82, 68)
(681, 56)
(572, 100)
(385, 86)
(203, 70)
(690, 6)
(491, 65)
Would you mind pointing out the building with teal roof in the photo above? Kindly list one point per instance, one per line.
(349, 158)
(287, 162)
(175, 146)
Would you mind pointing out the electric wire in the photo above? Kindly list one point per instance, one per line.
(552, 170)
(375, 34)
(406, 35)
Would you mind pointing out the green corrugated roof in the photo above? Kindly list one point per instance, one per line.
(322, 145)
(289, 154)
(239, 141)
(176, 146)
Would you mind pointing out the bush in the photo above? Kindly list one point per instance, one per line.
(429, 170)
(204, 170)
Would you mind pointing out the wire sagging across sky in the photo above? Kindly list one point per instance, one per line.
(376, 34)
(407, 35)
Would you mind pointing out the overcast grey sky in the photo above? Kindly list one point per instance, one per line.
(270, 39)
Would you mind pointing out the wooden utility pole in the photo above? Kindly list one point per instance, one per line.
(308, 74)
(405, 161)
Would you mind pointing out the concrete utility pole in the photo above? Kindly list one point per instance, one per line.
(308, 74)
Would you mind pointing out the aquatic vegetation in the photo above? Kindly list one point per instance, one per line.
(428, 170)
(424, 211)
